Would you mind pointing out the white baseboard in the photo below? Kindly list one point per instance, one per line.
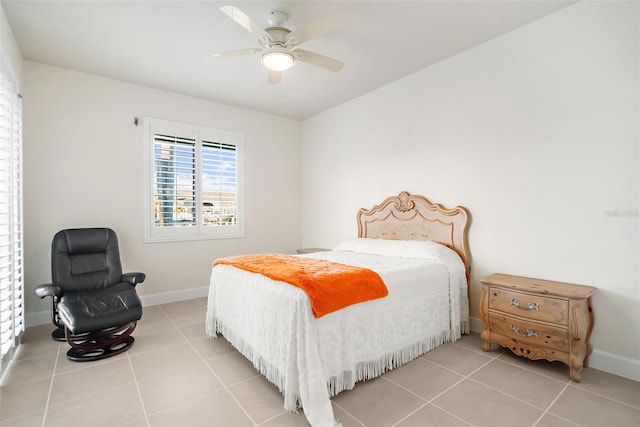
(44, 317)
(600, 360)
(475, 325)
(38, 318)
(175, 296)
(614, 364)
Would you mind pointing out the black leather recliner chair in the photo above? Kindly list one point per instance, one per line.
(94, 305)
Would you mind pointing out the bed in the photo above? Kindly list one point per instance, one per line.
(420, 251)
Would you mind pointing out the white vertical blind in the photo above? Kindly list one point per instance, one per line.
(219, 177)
(11, 270)
(174, 189)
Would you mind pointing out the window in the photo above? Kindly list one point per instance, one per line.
(194, 189)
(11, 272)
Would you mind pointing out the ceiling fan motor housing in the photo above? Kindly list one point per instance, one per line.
(278, 37)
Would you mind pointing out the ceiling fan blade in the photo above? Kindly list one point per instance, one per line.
(239, 52)
(274, 77)
(318, 60)
(243, 19)
(313, 29)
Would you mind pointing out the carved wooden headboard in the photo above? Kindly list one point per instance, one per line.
(412, 217)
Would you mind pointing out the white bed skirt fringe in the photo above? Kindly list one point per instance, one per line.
(347, 379)
(271, 373)
(374, 368)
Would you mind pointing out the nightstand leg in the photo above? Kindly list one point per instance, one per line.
(575, 374)
(575, 367)
(585, 364)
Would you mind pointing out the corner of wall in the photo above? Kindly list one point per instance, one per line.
(9, 47)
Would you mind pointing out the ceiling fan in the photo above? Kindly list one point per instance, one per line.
(278, 45)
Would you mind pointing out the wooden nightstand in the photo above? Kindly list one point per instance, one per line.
(311, 250)
(538, 319)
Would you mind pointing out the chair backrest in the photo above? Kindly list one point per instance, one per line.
(85, 259)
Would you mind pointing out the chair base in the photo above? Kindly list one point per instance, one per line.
(101, 344)
(59, 334)
(77, 355)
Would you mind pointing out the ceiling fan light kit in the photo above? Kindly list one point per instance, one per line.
(279, 45)
(278, 59)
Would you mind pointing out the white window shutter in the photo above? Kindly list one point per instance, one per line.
(11, 236)
(194, 187)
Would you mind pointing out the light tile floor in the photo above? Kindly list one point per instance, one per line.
(175, 375)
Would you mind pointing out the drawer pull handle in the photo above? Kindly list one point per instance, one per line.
(530, 332)
(530, 305)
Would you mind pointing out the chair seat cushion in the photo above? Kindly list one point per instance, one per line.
(100, 309)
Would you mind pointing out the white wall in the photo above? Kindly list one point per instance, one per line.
(83, 166)
(9, 48)
(536, 132)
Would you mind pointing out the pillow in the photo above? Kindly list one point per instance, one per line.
(420, 249)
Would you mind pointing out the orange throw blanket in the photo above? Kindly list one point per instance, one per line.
(329, 285)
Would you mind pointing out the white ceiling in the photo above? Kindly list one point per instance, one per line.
(167, 44)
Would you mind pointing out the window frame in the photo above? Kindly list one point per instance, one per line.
(200, 134)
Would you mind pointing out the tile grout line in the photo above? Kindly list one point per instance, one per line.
(545, 375)
(468, 376)
(430, 401)
(528, 369)
(546, 410)
(348, 413)
(53, 375)
(497, 358)
(452, 414)
(499, 351)
(135, 381)
(93, 393)
(494, 358)
(491, 359)
(209, 367)
(604, 396)
(270, 418)
(176, 345)
(504, 393)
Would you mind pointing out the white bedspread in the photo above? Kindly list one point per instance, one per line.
(311, 359)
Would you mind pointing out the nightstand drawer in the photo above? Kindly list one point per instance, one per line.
(531, 333)
(534, 307)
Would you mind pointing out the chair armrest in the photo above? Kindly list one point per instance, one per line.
(133, 278)
(48, 290)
